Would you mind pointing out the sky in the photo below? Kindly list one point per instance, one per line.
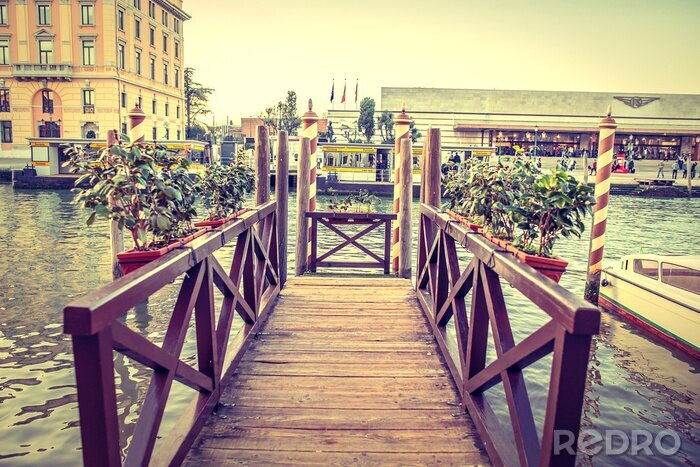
(252, 51)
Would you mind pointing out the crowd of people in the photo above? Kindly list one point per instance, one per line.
(679, 165)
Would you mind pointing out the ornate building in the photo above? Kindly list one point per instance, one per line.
(72, 69)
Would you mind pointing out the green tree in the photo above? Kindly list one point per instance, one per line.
(283, 116)
(196, 103)
(385, 122)
(415, 134)
(366, 121)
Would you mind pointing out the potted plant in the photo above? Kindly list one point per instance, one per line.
(553, 206)
(461, 204)
(146, 189)
(223, 188)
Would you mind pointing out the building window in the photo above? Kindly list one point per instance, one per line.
(6, 132)
(45, 51)
(140, 101)
(155, 134)
(165, 73)
(153, 68)
(176, 25)
(153, 36)
(137, 61)
(122, 56)
(4, 100)
(177, 114)
(44, 14)
(154, 106)
(47, 101)
(167, 109)
(4, 52)
(120, 19)
(137, 4)
(179, 135)
(165, 43)
(87, 14)
(88, 101)
(177, 49)
(89, 52)
(137, 28)
(167, 133)
(177, 78)
(152, 9)
(124, 129)
(165, 18)
(123, 99)
(3, 13)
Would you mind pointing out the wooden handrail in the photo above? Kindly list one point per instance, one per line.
(442, 286)
(249, 290)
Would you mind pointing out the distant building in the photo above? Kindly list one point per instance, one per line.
(74, 69)
(655, 125)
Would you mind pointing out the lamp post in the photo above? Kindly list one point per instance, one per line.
(536, 130)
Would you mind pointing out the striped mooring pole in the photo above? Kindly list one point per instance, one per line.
(402, 122)
(309, 129)
(600, 210)
(137, 127)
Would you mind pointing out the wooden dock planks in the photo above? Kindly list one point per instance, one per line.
(345, 371)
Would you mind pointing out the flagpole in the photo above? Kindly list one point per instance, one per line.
(345, 98)
(333, 95)
(357, 83)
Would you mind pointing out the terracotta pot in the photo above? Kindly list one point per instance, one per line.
(131, 260)
(550, 267)
(464, 221)
(197, 233)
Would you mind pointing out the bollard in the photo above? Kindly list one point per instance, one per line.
(282, 195)
(116, 235)
(262, 166)
(303, 174)
(600, 210)
(137, 127)
(402, 122)
(405, 202)
(309, 129)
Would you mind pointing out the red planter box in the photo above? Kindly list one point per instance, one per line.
(464, 221)
(220, 222)
(550, 267)
(131, 260)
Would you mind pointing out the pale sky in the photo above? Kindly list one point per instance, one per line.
(253, 51)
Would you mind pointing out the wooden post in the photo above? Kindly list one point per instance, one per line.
(606, 145)
(303, 175)
(424, 166)
(402, 122)
(309, 129)
(262, 166)
(585, 167)
(282, 195)
(116, 235)
(696, 150)
(433, 176)
(405, 202)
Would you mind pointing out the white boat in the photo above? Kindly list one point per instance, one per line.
(660, 293)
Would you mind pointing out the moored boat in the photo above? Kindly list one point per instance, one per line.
(660, 293)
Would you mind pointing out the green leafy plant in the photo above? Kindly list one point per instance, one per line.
(364, 201)
(145, 188)
(224, 187)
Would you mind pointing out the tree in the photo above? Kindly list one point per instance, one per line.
(366, 121)
(415, 134)
(386, 127)
(196, 102)
(283, 116)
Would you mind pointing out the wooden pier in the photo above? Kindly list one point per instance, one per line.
(335, 369)
(345, 371)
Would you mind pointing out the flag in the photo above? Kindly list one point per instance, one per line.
(345, 85)
(357, 83)
(333, 91)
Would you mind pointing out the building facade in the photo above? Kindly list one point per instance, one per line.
(650, 125)
(72, 69)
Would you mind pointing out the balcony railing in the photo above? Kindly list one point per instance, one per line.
(88, 108)
(4, 106)
(42, 70)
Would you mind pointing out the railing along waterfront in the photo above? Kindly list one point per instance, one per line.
(334, 221)
(442, 287)
(249, 289)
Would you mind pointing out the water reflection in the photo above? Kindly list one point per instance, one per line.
(49, 257)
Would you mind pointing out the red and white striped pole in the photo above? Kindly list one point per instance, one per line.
(137, 127)
(600, 210)
(402, 123)
(309, 129)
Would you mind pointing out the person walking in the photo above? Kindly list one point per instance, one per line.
(674, 170)
(594, 168)
(660, 173)
(684, 167)
(692, 169)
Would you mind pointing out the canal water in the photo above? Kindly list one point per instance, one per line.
(48, 257)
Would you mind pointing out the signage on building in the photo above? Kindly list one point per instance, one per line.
(636, 101)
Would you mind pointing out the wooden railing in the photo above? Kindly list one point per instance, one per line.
(248, 288)
(334, 221)
(442, 286)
